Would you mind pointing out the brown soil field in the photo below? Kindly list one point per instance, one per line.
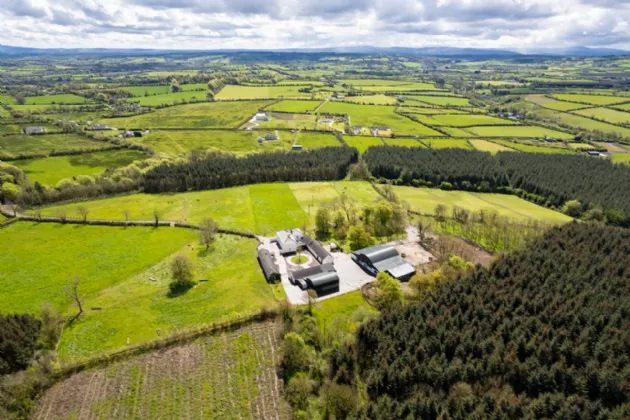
(226, 376)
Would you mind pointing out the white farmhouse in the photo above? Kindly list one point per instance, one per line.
(261, 116)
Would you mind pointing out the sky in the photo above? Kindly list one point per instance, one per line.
(519, 25)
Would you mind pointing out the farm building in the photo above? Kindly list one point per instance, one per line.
(325, 121)
(322, 278)
(593, 152)
(289, 240)
(268, 265)
(296, 147)
(270, 137)
(356, 129)
(34, 130)
(102, 127)
(317, 249)
(383, 258)
(261, 116)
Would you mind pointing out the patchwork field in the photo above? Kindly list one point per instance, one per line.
(149, 90)
(55, 99)
(457, 132)
(428, 111)
(488, 146)
(28, 145)
(547, 102)
(382, 85)
(447, 143)
(606, 114)
(403, 142)
(518, 131)
(372, 99)
(440, 100)
(379, 116)
(294, 106)
(202, 115)
(532, 148)
(263, 92)
(182, 141)
(293, 121)
(590, 99)
(229, 375)
(7, 100)
(315, 140)
(170, 98)
(10, 128)
(362, 142)
(464, 120)
(51, 170)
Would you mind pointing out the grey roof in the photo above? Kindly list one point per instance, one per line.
(312, 271)
(322, 279)
(289, 235)
(377, 253)
(315, 248)
(402, 271)
(35, 129)
(269, 267)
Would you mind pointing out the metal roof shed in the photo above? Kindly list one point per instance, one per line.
(268, 265)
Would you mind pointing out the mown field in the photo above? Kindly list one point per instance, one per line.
(293, 121)
(488, 146)
(315, 140)
(361, 143)
(372, 99)
(170, 98)
(589, 99)
(440, 100)
(379, 116)
(464, 120)
(518, 131)
(447, 143)
(260, 92)
(229, 375)
(606, 114)
(532, 148)
(55, 99)
(185, 141)
(202, 115)
(294, 106)
(550, 103)
(51, 170)
(25, 144)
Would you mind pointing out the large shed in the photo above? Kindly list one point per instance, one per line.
(268, 265)
(324, 283)
(299, 277)
(383, 258)
(317, 249)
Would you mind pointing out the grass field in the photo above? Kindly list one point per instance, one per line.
(383, 85)
(553, 104)
(10, 128)
(533, 148)
(316, 140)
(447, 144)
(55, 99)
(403, 142)
(581, 146)
(426, 199)
(24, 144)
(181, 142)
(263, 92)
(7, 100)
(463, 120)
(440, 100)
(488, 146)
(362, 142)
(294, 106)
(457, 132)
(518, 131)
(609, 115)
(428, 111)
(227, 376)
(379, 116)
(51, 170)
(372, 99)
(170, 98)
(590, 99)
(203, 115)
(293, 121)
(164, 89)
(621, 158)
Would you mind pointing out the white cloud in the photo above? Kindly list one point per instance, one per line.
(216, 24)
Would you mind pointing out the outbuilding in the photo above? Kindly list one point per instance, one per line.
(323, 283)
(383, 258)
(268, 266)
(34, 130)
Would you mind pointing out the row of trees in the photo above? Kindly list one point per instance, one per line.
(216, 170)
(542, 333)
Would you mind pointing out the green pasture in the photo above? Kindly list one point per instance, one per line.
(463, 120)
(294, 106)
(361, 143)
(621, 158)
(447, 144)
(580, 146)
(590, 99)
(522, 147)
(553, 104)
(294, 122)
(67, 98)
(9, 129)
(7, 100)
(315, 140)
(488, 146)
(521, 131)
(170, 98)
(625, 107)
(263, 92)
(606, 114)
(22, 144)
(372, 99)
(456, 132)
(51, 170)
(428, 111)
(440, 100)
(425, 200)
(403, 142)
(184, 141)
(147, 90)
(379, 116)
(382, 85)
(201, 115)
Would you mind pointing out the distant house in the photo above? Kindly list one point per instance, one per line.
(102, 127)
(383, 258)
(296, 147)
(325, 121)
(593, 152)
(261, 116)
(270, 137)
(288, 240)
(128, 134)
(356, 129)
(401, 98)
(34, 130)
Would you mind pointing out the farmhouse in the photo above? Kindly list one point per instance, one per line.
(268, 265)
(261, 116)
(356, 129)
(325, 121)
(321, 278)
(270, 137)
(102, 127)
(289, 240)
(593, 152)
(383, 258)
(296, 147)
(34, 130)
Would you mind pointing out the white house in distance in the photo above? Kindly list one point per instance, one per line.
(261, 116)
(288, 240)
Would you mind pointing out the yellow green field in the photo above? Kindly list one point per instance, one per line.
(488, 146)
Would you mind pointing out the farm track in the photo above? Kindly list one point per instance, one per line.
(230, 375)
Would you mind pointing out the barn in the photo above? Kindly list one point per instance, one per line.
(268, 265)
(383, 258)
(319, 278)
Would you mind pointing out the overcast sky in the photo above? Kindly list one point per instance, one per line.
(259, 24)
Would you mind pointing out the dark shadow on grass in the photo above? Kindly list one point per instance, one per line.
(205, 251)
(176, 289)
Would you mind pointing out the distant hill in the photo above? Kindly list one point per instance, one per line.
(6, 50)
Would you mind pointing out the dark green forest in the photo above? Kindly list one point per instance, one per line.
(543, 333)
(223, 170)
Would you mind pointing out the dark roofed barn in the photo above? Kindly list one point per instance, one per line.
(311, 271)
(383, 258)
(268, 265)
(317, 249)
(324, 283)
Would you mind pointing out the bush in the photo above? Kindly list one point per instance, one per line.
(299, 389)
(18, 341)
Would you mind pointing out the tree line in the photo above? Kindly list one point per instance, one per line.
(581, 186)
(542, 333)
(217, 170)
